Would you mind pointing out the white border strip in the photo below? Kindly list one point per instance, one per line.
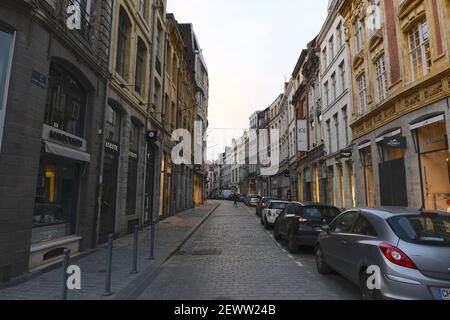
(365, 145)
(427, 122)
(389, 134)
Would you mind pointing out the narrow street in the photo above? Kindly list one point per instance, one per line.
(233, 257)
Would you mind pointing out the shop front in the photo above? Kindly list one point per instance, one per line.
(56, 207)
(110, 173)
(63, 160)
(365, 153)
(391, 148)
(431, 144)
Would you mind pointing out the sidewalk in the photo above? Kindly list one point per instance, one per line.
(170, 236)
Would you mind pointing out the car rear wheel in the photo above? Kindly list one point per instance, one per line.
(322, 266)
(368, 294)
(292, 245)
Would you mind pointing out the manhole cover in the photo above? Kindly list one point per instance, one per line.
(207, 252)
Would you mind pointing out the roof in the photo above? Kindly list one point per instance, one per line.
(311, 203)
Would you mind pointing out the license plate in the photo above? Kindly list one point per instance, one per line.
(444, 294)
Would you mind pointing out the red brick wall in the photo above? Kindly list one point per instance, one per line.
(392, 40)
(437, 28)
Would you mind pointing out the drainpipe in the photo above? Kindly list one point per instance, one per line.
(96, 234)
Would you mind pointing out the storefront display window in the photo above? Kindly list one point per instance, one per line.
(435, 166)
(366, 154)
(56, 200)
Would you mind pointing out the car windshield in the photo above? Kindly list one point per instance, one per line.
(278, 205)
(425, 228)
(328, 213)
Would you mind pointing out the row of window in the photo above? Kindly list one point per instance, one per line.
(337, 130)
(336, 88)
(329, 52)
(419, 55)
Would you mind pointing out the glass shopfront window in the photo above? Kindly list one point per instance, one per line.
(66, 102)
(6, 45)
(56, 200)
(366, 154)
(435, 166)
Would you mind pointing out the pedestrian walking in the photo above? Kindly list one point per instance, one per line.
(235, 198)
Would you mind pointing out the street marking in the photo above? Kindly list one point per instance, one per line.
(290, 256)
(284, 250)
(299, 264)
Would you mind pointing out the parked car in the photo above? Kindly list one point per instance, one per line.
(411, 248)
(242, 197)
(263, 203)
(271, 212)
(253, 200)
(226, 194)
(300, 223)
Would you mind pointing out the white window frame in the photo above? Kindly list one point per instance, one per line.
(420, 49)
(6, 92)
(381, 78)
(362, 93)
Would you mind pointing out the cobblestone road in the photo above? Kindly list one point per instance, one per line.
(232, 257)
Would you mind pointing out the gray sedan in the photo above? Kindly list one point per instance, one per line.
(391, 253)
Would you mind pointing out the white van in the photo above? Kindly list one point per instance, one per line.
(226, 194)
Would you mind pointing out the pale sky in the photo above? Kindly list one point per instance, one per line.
(250, 47)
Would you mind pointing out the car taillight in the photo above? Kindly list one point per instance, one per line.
(396, 256)
(302, 220)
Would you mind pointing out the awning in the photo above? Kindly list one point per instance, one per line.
(61, 151)
(389, 134)
(364, 145)
(427, 122)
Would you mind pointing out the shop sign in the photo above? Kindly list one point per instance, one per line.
(395, 143)
(132, 154)
(38, 79)
(151, 136)
(111, 146)
(61, 137)
(344, 154)
(302, 135)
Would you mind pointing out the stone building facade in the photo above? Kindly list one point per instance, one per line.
(336, 111)
(52, 112)
(400, 76)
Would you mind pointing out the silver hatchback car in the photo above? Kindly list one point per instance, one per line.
(411, 249)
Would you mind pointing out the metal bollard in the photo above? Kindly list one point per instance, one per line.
(135, 250)
(65, 265)
(152, 241)
(109, 266)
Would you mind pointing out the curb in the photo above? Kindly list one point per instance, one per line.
(138, 285)
(191, 233)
